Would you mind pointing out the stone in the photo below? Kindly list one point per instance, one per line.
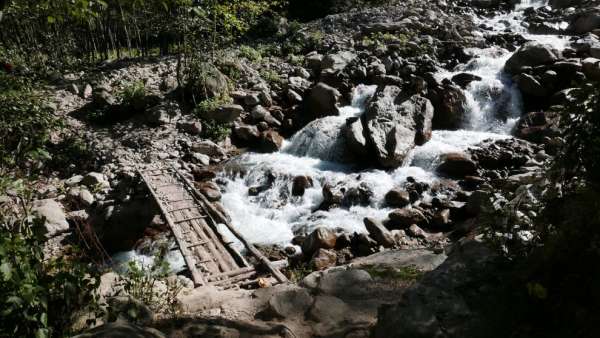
(314, 61)
(95, 180)
(293, 97)
(536, 126)
(591, 68)
(529, 55)
(252, 99)
(200, 159)
(270, 141)
(379, 233)
(226, 113)
(103, 98)
(121, 329)
(323, 100)
(201, 175)
(74, 180)
(55, 220)
(457, 165)
(209, 148)
(415, 231)
(477, 202)
(247, 133)
(330, 309)
(356, 142)
(449, 104)
(210, 190)
(300, 184)
(463, 80)
(529, 85)
(323, 259)
(81, 196)
(441, 219)
(190, 127)
(586, 21)
(163, 114)
(87, 91)
(397, 198)
(208, 82)
(290, 303)
(338, 61)
(320, 238)
(394, 124)
(345, 284)
(260, 113)
(403, 218)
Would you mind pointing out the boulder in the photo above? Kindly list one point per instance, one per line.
(121, 329)
(449, 103)
(322, 101)
(162, 114)
(536, 126)
(55, 220)
(320, 238)
(224, 114)
(403, 218)
(260, 113)
(207, 82)
(356, 142)
(394, 124)
(585, 21)
(397, 198)
(247, 133)
(270, 141)
(210, 190)
(314, 61)
(209, 148)
(457, 165)
(323, 259)
(338, 61)
(415, 231)
(529, 85)
(379, 233)
(81, 196)
(465, 79)
(300, 184)
(591, 68)
(529, 55)
(290, 303)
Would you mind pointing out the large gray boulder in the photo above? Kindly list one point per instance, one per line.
(529, 55)
(224, 114)
(591, 68)
(395, 123)
(449, 103)
(338, 61)
(55, 220)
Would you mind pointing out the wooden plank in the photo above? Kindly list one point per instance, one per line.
(231, 273)
(186, 208)
(189, 259)
(190, 219)
(264, 260)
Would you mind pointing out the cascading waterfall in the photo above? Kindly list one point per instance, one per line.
(273, 215)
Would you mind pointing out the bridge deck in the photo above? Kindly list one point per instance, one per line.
(193, 220)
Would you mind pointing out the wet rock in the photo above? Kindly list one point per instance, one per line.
(529, 55)
(355, 139)
(333, 195)
(320, 238)
(465, 79)
(403, 218)
(210, 190)
(586, 21)
(260, 113)
(395, 124)
(441, 220)
(224, 114)
(201, 175)
(300, 184)
(55, 220)
(270, 141)
(323, 259)
(449, 103)
(529, 85)
(322, 101)
(293, 97)
(457, 165)
(536, 126)
(379, 233)
(397, 198)
(359, 195)
(591, 68)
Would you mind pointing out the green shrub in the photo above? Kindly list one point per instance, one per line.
(70, 156)
(215, 131)
(26, 123)
(271, 76)
(250, 53)
(39, 298)
(134, 95)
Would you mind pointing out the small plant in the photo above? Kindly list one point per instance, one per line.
(215, 131)
(210, 105)
(140, 282)
(299, 271)
(250, 53)
(134, 95)
(271, 76)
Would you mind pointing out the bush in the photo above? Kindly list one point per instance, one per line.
(215, 131)
(134, 96)
(26, 123)
(39, 298)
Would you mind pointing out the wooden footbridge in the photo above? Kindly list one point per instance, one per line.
(194, 221)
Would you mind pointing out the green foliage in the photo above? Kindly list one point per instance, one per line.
(26, 123)
(210, 105)
(250, 53)
(271, 76)
(140, 282)
(39, 298)
(297, 272)
(215, 131)
(134, 95)
(70, 156)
